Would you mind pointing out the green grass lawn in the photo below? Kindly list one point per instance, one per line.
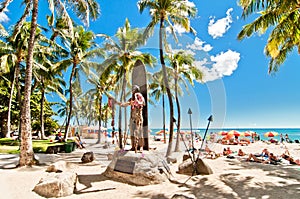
(11, 146)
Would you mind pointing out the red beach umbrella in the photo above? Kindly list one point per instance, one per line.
(233, 133)
(247, 133)
(161, 132)
(222, 133)
(270, 134)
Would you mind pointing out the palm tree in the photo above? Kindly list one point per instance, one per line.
(123, 53)
(12, 54)
(168, 13)
(26, 152)
(82, 50)
(182, 63)
(158, 91)
(82, 9)
(45, 78)
(102, 84)
(283, 18)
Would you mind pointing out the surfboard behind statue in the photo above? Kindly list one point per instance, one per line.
(139, 78)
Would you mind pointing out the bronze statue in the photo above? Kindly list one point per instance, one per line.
(137, 102)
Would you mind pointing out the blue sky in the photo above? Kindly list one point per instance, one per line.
(238, 91)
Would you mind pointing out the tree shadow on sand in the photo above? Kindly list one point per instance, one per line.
(280, 181)
(87, 181)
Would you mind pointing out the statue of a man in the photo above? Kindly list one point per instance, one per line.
(137, 102)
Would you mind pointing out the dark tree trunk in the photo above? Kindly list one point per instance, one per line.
(26, 150)
(70, 101)
(162, 61)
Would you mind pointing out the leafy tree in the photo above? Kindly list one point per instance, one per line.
(168, 13)
(123, 56)
(183, 68)
(82, 50)
(82, 9)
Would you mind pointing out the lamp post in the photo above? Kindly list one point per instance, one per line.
(210, 119)
(190, 113)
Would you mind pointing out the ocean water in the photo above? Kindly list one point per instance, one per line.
(293, 133)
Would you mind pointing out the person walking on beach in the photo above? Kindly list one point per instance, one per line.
(137, 102)
(287, 139)
(281, 138)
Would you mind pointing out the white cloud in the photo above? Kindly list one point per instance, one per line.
(223, 64)
(220, 27)
(3, 16)
(199, 45)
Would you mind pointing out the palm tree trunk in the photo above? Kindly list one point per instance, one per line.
(120, 110)
(100, 119)
(177, 149)
(164, 118)
(42, 111)
(26, 150)
(10, 102)
(70, 101)
(162, 61)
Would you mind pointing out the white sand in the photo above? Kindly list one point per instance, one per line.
(232, 178)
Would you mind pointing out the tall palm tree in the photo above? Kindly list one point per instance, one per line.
(168, 13)
(12, 54)
(283, 18)
(45, 78)
(158, 91)
(102, 84)
(26, 152)
(183, 66)
(82, 9)
(124, 54)
(82, 50)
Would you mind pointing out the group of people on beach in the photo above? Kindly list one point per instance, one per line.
(60, 138)
(267, 157)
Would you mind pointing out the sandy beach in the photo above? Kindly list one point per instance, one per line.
(231, 178)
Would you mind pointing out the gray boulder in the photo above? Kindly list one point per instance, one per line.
(201, 168)
(56, 185)
(61, 166)
(88, 157)
(138, 168)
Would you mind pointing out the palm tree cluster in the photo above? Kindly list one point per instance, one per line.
(33, 66)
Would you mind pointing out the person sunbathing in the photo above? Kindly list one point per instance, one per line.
(273, 159)
(263, 157)
(286, 155)
(211, 153)
(241, 152)
(227, 151)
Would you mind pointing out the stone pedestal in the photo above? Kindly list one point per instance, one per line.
(138, 168)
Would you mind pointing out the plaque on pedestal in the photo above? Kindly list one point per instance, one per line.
(124, 166)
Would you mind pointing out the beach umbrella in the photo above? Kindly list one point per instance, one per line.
(161, 132)
(222, 133)
(233, 133)
(247, 133)
(270, 134)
